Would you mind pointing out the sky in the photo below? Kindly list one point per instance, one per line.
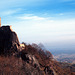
(51, 22)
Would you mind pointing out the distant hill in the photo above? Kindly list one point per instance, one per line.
(69, 58)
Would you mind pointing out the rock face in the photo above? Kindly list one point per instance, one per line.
(8, 40)
(30, 59)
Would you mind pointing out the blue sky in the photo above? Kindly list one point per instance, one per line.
(51, 22)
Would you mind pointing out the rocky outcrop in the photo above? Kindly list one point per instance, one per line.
(8, 40)
(30, 59)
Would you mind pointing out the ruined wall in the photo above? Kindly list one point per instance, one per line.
(8, 40)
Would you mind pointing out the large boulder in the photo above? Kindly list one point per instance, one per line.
(30, 59)
(8, 40)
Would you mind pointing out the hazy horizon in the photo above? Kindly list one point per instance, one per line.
(51, 22)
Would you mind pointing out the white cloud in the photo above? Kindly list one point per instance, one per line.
(61, 14)
(44, 30)
(30, 17)
(9, 12)
(19, 3)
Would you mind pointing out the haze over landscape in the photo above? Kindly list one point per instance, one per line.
(51, 22)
